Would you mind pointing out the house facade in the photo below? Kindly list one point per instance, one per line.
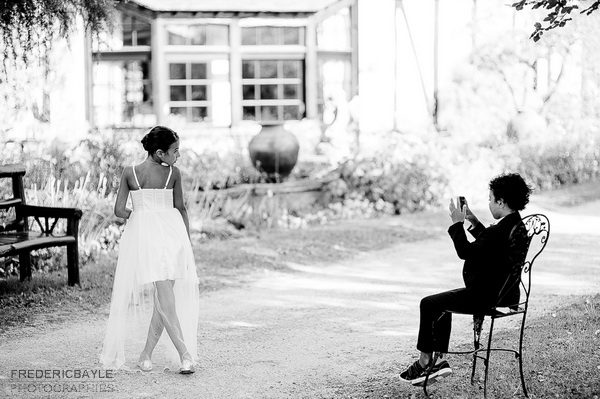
(221, 64)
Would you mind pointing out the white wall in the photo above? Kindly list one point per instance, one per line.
(414, 89)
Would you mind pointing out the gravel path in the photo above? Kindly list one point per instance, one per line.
(318, 331)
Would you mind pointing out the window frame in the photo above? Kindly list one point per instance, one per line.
(278, 102)
(109, 87)
(188, 60)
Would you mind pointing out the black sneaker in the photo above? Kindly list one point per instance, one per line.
(416, 373)
(439, 371)
(413, 372)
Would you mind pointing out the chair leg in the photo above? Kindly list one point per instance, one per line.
(428, 372)
(520, 355)
(486, 362)
(477, 326)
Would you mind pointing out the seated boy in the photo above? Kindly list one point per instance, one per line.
(486, 268)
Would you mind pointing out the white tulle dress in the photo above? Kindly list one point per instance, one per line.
(155, 246)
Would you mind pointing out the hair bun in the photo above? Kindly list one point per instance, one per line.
(144, 142)
(159, 138)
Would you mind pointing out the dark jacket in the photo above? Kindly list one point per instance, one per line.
(487, 259)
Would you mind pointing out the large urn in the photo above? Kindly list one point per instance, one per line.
(274, 151)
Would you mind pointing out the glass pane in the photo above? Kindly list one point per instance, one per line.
(143, 33)
(248, 92)
(199, 114)
(249, 113)
(268, 92)
(268, 35)
(218, 35)
(291, 69)
(290, 91)
(127, 30)
(199, 93)
(249, 36)
(179, 111)
(176, 71)
(268, 113)
(198, 35)
(248, 69)
(177, 93)
(199, 71)
(333, 33)
(291, 35)
(268, 69)
(291, 112)
(175, 39)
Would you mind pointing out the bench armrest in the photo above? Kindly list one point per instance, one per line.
(52, 212)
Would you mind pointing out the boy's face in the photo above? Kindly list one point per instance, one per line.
(496, 206)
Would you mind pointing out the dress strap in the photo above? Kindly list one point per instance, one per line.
(136, 179)
(169, 178)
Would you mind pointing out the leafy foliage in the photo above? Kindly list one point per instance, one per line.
(29, 27)
(407, 174)
(556, 163)
(559, 13)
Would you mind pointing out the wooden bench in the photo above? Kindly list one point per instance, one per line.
(16, 237)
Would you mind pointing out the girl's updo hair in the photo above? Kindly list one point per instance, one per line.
(159, 138)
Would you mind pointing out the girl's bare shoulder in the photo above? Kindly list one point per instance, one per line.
(176, 171)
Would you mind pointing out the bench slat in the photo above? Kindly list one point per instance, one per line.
(11, 243)
(12, 169)
(9, 203)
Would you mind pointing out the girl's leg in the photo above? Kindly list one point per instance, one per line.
(154, 331)
(166, 309)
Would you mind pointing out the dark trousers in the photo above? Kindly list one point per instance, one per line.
(436, 322)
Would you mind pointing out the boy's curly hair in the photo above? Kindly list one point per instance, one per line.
(511, 187)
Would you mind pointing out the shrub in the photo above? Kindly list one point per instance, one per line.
(555, 163)
(406, 173)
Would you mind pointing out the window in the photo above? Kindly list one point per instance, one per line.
(334, 81)
(127, 31)
(272, 90)
(199, 90)
(272, 35)
(334, 32)
(135, 32)
(334, 58)
(198, 35)
(122, 94)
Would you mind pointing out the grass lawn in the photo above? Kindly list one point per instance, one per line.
(553, 345)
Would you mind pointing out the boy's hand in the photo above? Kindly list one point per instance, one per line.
(457, 215)
(470, 216)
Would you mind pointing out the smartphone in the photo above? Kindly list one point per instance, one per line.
(461, 202)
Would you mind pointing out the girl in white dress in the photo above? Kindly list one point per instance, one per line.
(155, 258)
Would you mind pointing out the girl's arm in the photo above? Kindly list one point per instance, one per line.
(178, 198)
(121, 209)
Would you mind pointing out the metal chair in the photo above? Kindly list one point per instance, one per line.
(527, 240)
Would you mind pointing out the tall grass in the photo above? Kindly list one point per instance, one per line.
(98, 228)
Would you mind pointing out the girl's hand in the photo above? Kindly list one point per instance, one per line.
(457, 215)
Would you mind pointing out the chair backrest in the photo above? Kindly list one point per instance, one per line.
(538, 232)
(527, 240)
(11, 215)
